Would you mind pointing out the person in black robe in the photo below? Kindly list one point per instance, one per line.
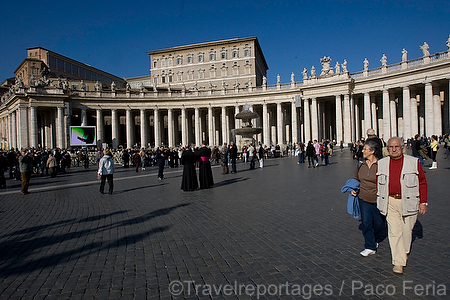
(160, 161)
(189, 180)
(205, 172)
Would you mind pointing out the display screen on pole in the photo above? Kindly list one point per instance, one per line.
(83, 136)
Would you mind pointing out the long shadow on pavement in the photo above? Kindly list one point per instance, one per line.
(14, 252)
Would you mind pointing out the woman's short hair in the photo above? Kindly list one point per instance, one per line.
(372, 145)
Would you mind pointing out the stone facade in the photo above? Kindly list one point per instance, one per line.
(402, 99)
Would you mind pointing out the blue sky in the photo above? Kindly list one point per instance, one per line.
(115, 36)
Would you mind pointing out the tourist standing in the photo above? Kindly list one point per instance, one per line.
(261, 155)
(316, 146)
(189, 180)
(205, 172)
(52, 164)
(160, 161)
(434, 149)
(311, 153)
(233, 157)
(2, 170)
(224, 158)
(106, 171)
(26, 168)
(251, 156)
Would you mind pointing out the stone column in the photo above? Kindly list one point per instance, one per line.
(99, 122)
(129, 130)
(225, 136)
(184, 139)
(49, 136)
(429, 109)
(144, 126)
(314, 120)
(294, 123)
(374, 116)
(437, 112)
(237, 123)
(414, 115)
(83, 117)
(210, 126)
(13, 130)
(347, 134)
(407, 113)
(198, 138)
(33, 127)
(114, 128)
(22, 127)
(386, 116)
(170, 128)
(60, 127)
(265, 124)
(279, 124)
(367, 114)
(393, 115)
(355, 120)
(306, 120)
(353, 123)
(156, 127)
(339, 120)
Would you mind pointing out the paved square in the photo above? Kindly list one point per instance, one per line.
(281, 231)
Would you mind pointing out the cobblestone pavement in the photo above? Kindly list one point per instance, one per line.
(281, 232)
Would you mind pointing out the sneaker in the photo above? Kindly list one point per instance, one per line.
(317, 164)
(398, 269)
(367, 252)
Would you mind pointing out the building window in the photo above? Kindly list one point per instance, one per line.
(224, 70)
(247, 52)
(212, 56)
(200, 58)
(190, 75)
(179, 76)
(170, 78)
(179, 61)
(235, 54)
(190, 59)
(155, 64)
(223, 55)
(212, 72)
(163, 62)
(163, 79)
(235, 70)
(201, 74)
(155, 81)
(170, 61)
(247, 70)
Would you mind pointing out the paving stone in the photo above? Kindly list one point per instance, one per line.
(284, 224)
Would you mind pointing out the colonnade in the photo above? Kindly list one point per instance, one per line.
(395, 110)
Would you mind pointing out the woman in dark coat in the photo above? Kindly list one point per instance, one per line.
(189, 180)
(205, 172)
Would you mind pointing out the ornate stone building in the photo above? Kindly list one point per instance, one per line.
(405, 98)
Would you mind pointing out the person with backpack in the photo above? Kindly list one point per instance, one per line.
(106, 171)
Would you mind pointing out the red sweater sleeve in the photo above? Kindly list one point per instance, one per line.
(423, 185)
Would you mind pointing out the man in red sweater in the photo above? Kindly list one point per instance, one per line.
(402, 194)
